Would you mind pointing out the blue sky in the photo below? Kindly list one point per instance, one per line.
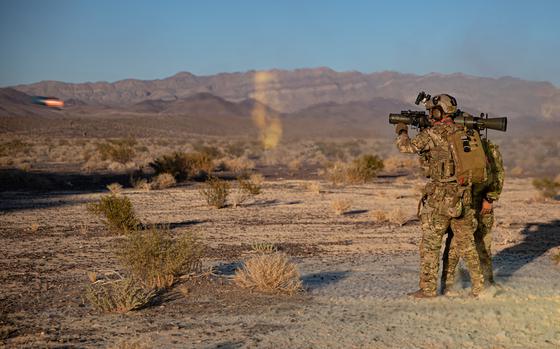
(77, 41)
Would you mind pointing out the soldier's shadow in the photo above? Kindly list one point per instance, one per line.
(539, 238)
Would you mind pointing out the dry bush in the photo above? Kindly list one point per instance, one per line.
(163, 181)
(130, 344)
(548, 189)
(238, 165)
(332, 151)
(155, 259)
(115, 188)
(295, 165)
(251, 184)
(361, 170)
(215, 191)
(264, 247)
(209, 151)
(397, 163)
(140, 184)
(341, 205)
(184, 165)
(270, 273)
(396, 216)
(236, 149)
(314, 187)
(117, 212)
(119, 296)
(117, 150)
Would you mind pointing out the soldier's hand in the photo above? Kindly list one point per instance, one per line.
(401, 127)
(486, 207)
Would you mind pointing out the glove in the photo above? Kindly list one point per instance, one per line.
(486, 207)
(401, 127)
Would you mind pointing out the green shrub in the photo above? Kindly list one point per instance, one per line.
(119, 296)
(156, 259)
(215, 191)
(547, 187)
(184, 165)
(117, 212)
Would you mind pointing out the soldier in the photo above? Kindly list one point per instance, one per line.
(484, 194)
(445, 203)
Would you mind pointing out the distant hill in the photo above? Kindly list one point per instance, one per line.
(294, 90)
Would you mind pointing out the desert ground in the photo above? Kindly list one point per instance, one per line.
(356, 271)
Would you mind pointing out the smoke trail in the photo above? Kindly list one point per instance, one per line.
(270, 126)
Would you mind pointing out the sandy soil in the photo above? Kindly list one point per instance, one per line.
(356, 272)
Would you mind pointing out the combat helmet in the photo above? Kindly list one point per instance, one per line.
(447, 103)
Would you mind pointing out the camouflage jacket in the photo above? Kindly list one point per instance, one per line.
(492, 189)
(433, 146)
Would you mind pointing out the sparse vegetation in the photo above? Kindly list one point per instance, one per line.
(118, 296)
(215, 191)
(130, 344)
(155, 259)
(269, 273)
(115, 188)
(117, 212)
(264, 247)
(184, 165)
(314, 187)
(340, 206)
(547, 187)
(118, 150)
(361, 170)
(163, 181)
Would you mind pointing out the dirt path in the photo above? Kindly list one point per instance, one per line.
(357, 273)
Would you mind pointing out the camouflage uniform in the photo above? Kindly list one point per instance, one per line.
(445, 204)
(490, 191)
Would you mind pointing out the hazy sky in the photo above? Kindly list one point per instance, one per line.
(79, 41)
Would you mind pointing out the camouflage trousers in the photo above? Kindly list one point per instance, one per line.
(483, 242)
(434, 227)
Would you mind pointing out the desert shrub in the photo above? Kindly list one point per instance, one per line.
(314, 187)
(332, 151)
(251, 184)
(236, 149)
(115, 188)
(208, 150)
(547, 187)
(395, 216)
(130, 344)
(270, 273)
(117, 212)
(184, 165)
(364, 168)
(14, 147)
(238, 165)
(379, 216)
(155, 259)
(140, 184)
(340, 206)
(117, 150)
(264, 247)
(119, 296)
(162, 181)
(215, 191)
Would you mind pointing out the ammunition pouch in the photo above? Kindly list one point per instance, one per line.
(446, 199)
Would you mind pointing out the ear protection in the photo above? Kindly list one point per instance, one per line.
(436, 113)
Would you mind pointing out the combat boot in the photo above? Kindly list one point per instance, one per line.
(421, 294)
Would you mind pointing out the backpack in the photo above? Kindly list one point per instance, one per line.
(469, 156)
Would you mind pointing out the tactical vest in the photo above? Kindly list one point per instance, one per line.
(469, 156)
(439, 160)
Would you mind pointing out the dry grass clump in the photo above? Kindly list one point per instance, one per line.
(340, 206)
(130, 344)
(269, 273)
(215, 191)
(264, 247)
(238, 165)
(396, 216)
(361, 170)
(115, 188)
(117, 150)
(14, 147)
(247, 187)
(548, 188)
(156, 260)
(184, 165)
(397, 163)
(163, 181)
(295, 165)
(118, 296)
(140, 184)
(314, 187)
(117, 212)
